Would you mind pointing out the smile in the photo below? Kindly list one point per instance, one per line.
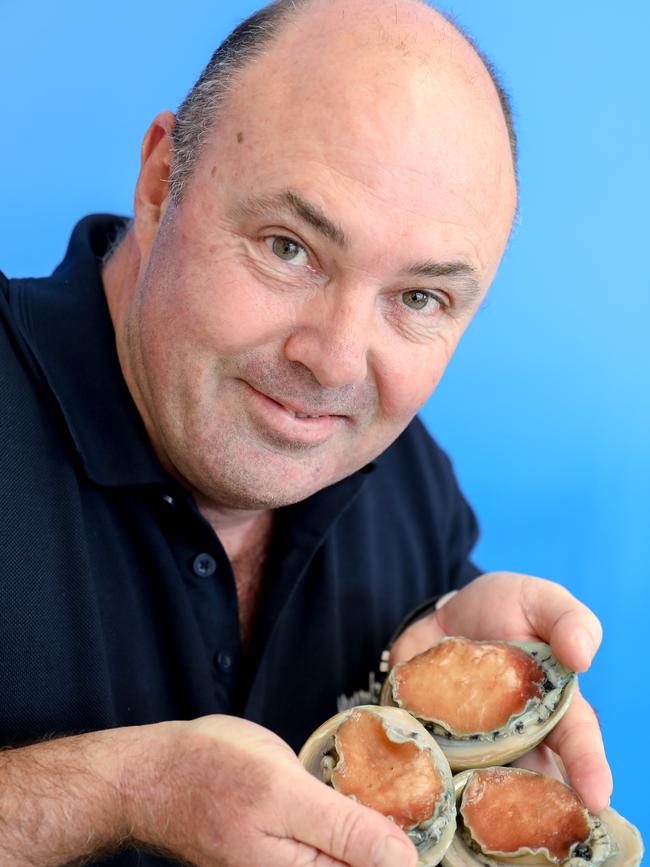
(296, 414)
(289, 422)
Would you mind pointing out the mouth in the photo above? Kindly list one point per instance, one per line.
(303, 413)
(288, 421)
(299, 414)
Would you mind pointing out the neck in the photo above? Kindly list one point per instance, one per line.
(239, 530)
(245, 537)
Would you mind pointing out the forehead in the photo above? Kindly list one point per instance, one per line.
(404, 125)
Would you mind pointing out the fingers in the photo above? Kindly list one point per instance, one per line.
(345, 830)
(573, 631)
(577, 740)
(505, 605)
(543, 760)
(416, 639)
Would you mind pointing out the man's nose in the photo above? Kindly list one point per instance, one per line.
(332, 338)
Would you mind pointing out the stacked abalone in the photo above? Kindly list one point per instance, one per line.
(513, 816)
(485, 702)
(470, 706)
(385, 759)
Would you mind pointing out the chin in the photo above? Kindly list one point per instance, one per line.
(262, 497)
(256, 486)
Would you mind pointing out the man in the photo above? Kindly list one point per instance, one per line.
(206, 511)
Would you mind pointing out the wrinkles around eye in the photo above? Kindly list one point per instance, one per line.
(273, 270)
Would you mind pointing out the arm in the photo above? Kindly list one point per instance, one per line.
(214, 791)
(60, 800)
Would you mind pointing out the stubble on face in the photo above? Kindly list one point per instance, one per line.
(410, 149)
(194, 383)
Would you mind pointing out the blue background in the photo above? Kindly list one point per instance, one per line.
(545, 409)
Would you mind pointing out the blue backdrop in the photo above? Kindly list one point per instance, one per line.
(545, 409)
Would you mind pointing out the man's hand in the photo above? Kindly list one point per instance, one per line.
(503, 605)
(230, 793)
(214, 792)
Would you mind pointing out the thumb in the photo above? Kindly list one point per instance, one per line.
(346, 830)
(420, 636)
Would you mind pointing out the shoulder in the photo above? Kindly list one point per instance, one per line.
(20, 374)
(16, 359)
(32, 434)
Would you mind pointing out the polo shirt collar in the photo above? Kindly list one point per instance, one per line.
(65, 320)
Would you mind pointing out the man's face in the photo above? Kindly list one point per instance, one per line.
(302, 302)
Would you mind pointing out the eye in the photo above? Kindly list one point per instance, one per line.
(287, 250)
(418, 299)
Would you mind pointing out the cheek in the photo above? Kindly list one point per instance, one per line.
(215, 306)
(409, 375)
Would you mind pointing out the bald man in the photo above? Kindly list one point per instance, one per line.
(285, 299)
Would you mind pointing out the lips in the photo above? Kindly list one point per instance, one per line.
(289, 422)
(301, 412)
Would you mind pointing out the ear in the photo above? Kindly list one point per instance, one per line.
(152, 188)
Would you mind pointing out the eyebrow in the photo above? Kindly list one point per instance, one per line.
(299, 207)
(467, 286)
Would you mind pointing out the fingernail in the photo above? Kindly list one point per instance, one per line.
(392, 852)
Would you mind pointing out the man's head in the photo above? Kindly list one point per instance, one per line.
(334, 233)
(204, 102)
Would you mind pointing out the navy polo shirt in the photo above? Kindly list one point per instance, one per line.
(118, 602)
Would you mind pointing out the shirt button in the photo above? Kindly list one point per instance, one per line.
(224, 660)
(204, 565)
(168, 499)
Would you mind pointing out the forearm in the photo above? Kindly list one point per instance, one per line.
(61, 801)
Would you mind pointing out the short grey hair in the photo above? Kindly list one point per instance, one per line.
(200, 108)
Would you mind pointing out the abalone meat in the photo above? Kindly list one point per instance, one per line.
(485, 702)
(512, 816)
(383, 758)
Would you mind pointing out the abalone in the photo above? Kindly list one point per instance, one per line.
(484, 702)
(512, 816)
(383, 758)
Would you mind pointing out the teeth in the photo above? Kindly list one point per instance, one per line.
(300, 414)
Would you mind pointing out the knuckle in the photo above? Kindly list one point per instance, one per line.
(585, 715)
(528, 593)
(302, 859)
(348, 826)
(579, 741)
